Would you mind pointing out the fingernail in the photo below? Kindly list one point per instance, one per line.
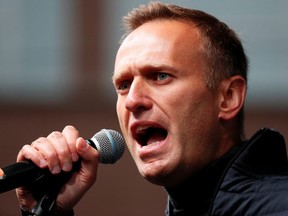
(83, 145)
(75, 157)
(43, 163)
(67, 166)
(56, 170)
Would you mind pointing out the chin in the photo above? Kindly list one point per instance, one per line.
(162, 181)
(163, 177)
(158, 177)
(157, 171)
(156, 180)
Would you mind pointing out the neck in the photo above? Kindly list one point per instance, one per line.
(196, 194)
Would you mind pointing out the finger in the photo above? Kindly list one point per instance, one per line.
(60, 145)
(49, 153)
(89, 163)
(30, 153)
(25, 198)
(71, 134)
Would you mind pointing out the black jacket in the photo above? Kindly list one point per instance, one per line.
(248, 180)
(257, 181)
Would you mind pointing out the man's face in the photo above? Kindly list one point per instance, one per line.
(168, 116)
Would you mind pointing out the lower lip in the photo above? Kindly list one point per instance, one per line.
(153, 150)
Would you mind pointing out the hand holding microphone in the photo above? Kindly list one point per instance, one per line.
(58, 152)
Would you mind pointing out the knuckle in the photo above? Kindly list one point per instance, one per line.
(37, 142)
(55, 134)
(70, 127)
(25, 152)
(25, 148)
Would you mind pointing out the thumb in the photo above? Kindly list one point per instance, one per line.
(89, 159)
(81, 180)
(86, 151)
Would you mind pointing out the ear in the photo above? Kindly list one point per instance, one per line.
(232, 97)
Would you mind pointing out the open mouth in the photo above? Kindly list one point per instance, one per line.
(150, 135)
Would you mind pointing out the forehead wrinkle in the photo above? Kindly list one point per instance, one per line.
(145, 68)
(137, 58)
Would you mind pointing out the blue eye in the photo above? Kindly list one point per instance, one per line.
(124, 86)
(162, 76)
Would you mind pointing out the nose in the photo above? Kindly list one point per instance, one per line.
(138, 98)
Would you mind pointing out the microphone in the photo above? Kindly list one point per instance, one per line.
(109, 144)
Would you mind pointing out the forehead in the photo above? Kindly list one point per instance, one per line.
(160, 42)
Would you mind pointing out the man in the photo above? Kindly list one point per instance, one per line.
(180, 76)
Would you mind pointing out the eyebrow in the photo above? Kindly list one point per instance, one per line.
(146, 68)
(116, 77)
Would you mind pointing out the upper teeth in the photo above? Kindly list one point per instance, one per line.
(141, 129)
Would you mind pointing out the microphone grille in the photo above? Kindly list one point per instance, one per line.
(110, 145)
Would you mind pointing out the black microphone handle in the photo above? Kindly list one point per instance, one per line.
(109, 143)
(25, 173)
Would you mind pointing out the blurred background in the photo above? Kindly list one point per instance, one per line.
(56, 63)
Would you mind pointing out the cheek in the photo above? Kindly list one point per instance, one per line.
(120, 109)
(123, 119)
(194, 117)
